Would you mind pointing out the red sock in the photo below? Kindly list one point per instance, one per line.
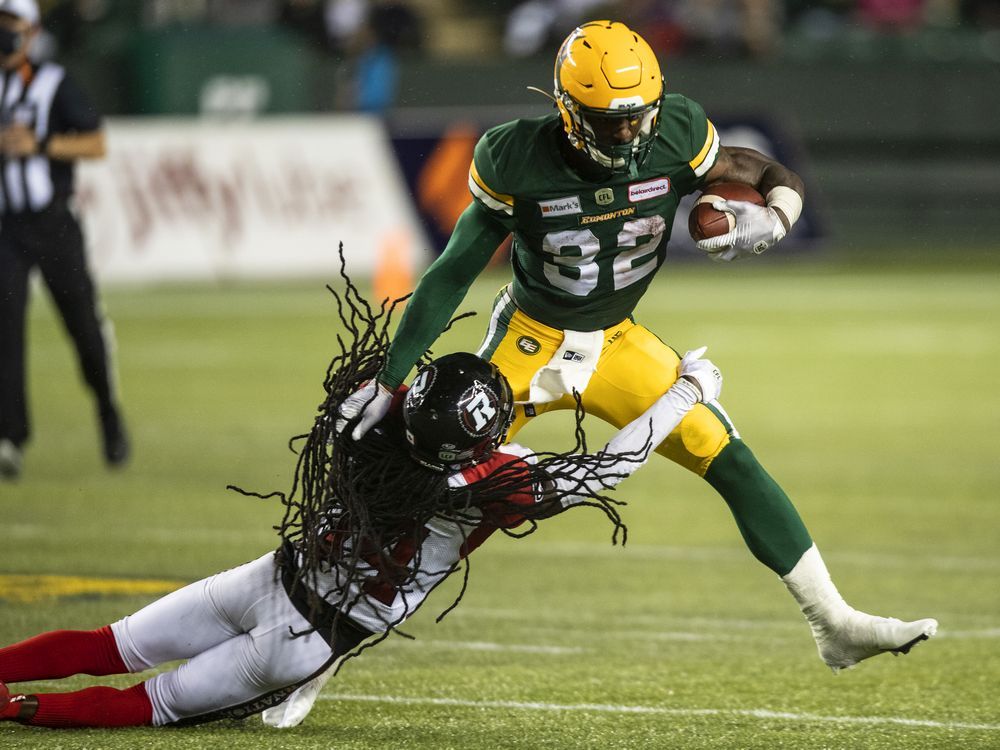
(62, 653)
(94, 707)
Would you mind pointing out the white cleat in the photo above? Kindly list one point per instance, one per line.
(297, 706)
(860, 636)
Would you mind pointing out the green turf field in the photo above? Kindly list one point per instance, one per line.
(871, 395)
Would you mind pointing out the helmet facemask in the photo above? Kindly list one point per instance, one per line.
(597, 132)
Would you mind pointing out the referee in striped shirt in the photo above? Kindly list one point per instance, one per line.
(46, 124)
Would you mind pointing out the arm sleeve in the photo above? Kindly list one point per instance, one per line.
(441, 289)
(655, 424)
(635, 442)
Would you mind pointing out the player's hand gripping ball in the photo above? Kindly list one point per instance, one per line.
(705, 221)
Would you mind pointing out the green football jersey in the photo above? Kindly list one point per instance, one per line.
(585, 252)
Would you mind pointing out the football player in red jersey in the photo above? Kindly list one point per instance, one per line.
(371, 527)
(589, 194)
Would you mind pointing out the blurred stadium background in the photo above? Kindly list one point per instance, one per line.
(248, 137)
(887, 106)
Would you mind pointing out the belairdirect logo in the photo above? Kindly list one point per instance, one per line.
(528, 345)
(641, 191)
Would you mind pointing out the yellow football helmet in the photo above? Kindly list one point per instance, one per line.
(608, 88)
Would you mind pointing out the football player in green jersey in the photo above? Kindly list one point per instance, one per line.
(589, 195)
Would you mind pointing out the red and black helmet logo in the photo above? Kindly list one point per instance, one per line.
(478, 409)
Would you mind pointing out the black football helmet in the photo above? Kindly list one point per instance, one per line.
(457, 410)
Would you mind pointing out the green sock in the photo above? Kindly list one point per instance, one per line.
(770, 525)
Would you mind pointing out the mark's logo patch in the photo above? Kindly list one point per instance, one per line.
(642, 191)
(560, 206)
(528, 345)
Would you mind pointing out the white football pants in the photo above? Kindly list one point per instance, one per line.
(233, 628)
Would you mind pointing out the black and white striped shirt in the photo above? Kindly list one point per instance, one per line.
(47, 100)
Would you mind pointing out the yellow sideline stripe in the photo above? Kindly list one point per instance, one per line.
(33, 588)
(474, 173)
(709, 140)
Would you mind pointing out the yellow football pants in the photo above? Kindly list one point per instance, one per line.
(635, 368)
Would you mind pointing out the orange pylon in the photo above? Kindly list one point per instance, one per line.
(393, 276)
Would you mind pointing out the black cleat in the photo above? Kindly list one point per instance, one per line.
(16, 707)
(117, 448)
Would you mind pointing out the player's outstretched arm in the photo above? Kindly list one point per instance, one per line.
(757, 227)
(438, 294)
(698, 381)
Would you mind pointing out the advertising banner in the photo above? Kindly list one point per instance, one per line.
(267, 199)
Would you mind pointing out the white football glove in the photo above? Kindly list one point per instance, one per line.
(296, 706)
(371, 401)
(757, 228)
(703, 373)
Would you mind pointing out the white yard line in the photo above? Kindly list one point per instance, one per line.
(754, 713)
(502, 647)
(696, 628)
(980, 633)
(649, 636)
(635, 623)
(524, 648)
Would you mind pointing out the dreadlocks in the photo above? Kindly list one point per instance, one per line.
(358, 508)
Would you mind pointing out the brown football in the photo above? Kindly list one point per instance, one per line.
(704, 221)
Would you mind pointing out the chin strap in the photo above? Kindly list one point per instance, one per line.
(546, 94)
